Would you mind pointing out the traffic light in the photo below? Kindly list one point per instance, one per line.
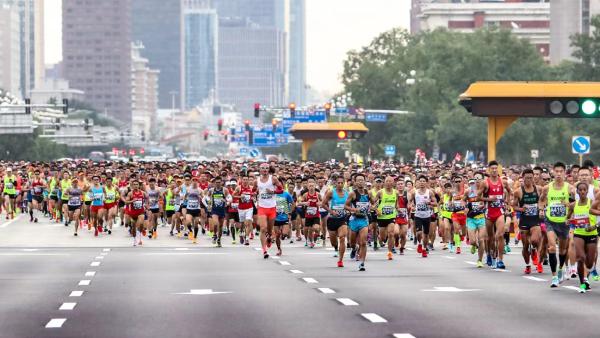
(28, 106)
(582, 107)
(247, 125)
(274, 125)
(143, 136)
(65, 106)
(292, 107)
(256, 110)
(250, 137)
(86, 124)
(220, 124)
(342, 135)
(206, 135)
(327, 109)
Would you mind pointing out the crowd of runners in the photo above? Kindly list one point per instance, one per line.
(551, 210)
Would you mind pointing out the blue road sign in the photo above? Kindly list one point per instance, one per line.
(254, 153)
(376, 117)
(266, 138)
(341, 110)
(243, 151)
(390, 150)
(303, 117)
(581, 145)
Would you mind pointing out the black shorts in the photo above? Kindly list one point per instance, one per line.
(54, 198)
(383, 223)
(434, 218)
(170, 213)
(154, 211)
(280, 223)
(309, 222)
(254, 210)
(422, 224)
(333, 224)
(372, 217)
(193, 212)
(121, 204)
(235, 216)
(560, 229)
(37, 198)
(527, 222)
(587, 239)
(88, 203)
(74, 207)
(11, 196)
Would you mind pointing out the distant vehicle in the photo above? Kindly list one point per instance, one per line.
(97, 156)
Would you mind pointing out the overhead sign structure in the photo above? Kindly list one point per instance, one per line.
(310, 132)
(581, 145)
(317, 116)
(390, 150)
(503, 102)
(376, 117)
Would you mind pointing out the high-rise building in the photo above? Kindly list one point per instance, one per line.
(10, 50)
(252, 65)
(265, 13)
(39, 66)
(157, 24)
(144, 94)
(567, 18)
(297, 47)
(200, 54)
(97, 53)
(526, 19)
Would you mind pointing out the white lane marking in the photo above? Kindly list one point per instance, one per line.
(535, 279)
(374, 318)
(90, 273)
(32, 254)
(257, 249)
(329, 249)
(95, 264)
(31, 250)
(285, 263)
(106, 249)
(181, 249)
(472, 263)
(310, 280)
(296, 271)
(448, 289)
(99, 257)
(571, 287)
(202, 292)
(403, 335)
(275, 257)
(183, 253)
(501, 270)
(55, 323)
(347, 301)
(449, 257)
(410, 249)
(67, 306)
(10, 222)
(76, 294)
(104, 254)
(326, 290)
(84, 282)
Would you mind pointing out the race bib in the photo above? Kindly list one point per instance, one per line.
(363, 208)
(458, 206)
(172, 202)
(219, 202)
(558, 210)
(530, 210)
(137, 204)
(193, 204)
(98, 197)
(402, 212)
(280, 209)
(266, 196)
(74, 201)
(422, 207)
(338, 211)
(37, 190)
(387, 210)
(245, 198)
(497, 203)
(311, 211)
(110, 196)
(580, 223)
(153, 203)
(9, 185)
(234, 206)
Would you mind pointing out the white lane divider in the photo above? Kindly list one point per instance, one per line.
(296, 271)
(10, 222)
(347, 301)
(535, 279)
(76, 294)
(104, 253)
(326, 290)
(403, 335)
(55, 323)
(310, 280)
(257, 249)
(106, 249)
(410, 249)
(374, 318)
(472, 263)
(275, 257)
(570, 287)
(84, 282)
(448, 289)
(67, 306)
(181, 249)
(90, 273)
(501, 270)
(95, 264)
(99, 257)
(285, 263)
(449, 257)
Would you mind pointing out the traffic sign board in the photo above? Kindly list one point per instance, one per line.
(535, 153)
(254, 153)
(376, 117)
(581, 145)
(267, 138)
(390, 150)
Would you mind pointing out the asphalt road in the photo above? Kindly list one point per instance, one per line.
(171, 288)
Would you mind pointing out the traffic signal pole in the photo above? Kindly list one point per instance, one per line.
(306, 144)
(496, 128)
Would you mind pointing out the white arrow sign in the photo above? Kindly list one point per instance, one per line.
(449, 289)
(202, 292)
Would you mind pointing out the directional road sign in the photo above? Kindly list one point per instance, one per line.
(376, 117)
(390, 150)
(581, 145)
(254, 153)
(267, 138)
(535, 153)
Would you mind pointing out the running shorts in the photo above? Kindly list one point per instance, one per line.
(383, 223)
(245, 215)
(333, 224)
(588, 239)
(309, 222)
(560, 229)
(475, 223)
(357, 224)
(459, 218)
(422, 224)
(270, 213)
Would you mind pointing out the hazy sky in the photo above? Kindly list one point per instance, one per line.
(332, 28)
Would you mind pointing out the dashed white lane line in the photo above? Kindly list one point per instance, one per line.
(501, 270)
(55, 323)
(106, 249)
(275, 257)
(99, 257)
(95, 264)
(347, 301)
(76, 294)
(67, 306)
(310, 280)
(285, 263)
(449, 257)
(472, 263)
(535, 279)
(296, 271)
(84, 282)
(410, 249)
(183, 253)
(32, 254)
(104, 253)
(326, 290)
(90, 273)
(403, 335)
(31, 250)
(374, 318)
(257, 249)
(570, 287)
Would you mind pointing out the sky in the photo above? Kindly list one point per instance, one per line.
(333, 27)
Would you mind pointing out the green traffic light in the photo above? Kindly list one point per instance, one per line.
(589, 107)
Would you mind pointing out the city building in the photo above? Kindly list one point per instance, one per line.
(527, 20)
(57, 89)
(157, 24)
(297, 55)
(96, 44)
(265, 13)
(144, 94)
(567, 18)
(200, 47)
(10, 50)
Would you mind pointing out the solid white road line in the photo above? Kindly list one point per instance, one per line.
(472, 263)
(501, 270)
(104, 254)
(55, 323)
(347, 301)
(296, 271)
(84, 282)
(90, 273)
(76, 294)
(95, 264)
(310, 280)
(183, 253)
(99, 257)
(410, 249)
(449, 257)
(106, 249)
(181, 249)
(10, 222)
(535, 279)
(326, 290)
(285, 263)
(570, 287)
(374, 318)
(403, 335)
(67, 306)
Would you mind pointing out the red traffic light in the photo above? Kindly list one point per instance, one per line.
(220, 124)
(292, 106)
(142, 151)
(256, 109)
(341, 134)
(327, 106)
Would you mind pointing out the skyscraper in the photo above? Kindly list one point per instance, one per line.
(157, 24)
(200, 54)
(567, 18)
(97, 53)
(10, 51)
(297, 36)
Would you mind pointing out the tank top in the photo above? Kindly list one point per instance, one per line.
(137, 203)
(235, 202)
(266, 199)
(153, 196)
(65, 185)
(312, 209)
(37, 187)
(362, 203)
(338, 204)
(401, 206)
(582, 218)
(495, 191)
(387, 204)
(218, 199)
(246, 194)
(193, 199)
(557, 211)
(97, 196)
(476, 208)
(422, 200)
(110, 195)
(74, 197)
(529, 202)
(169, 200)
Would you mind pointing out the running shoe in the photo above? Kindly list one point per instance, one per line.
(424, 254)
(419, 248)
(430, 247)
(560, 275)
(401, 251)
(219, 244)
(278, 252)
(473, 249)
(573, 272)
(450, 248)
(506, 248)
(312, 245)
(110, 232)
(246, 243)
(587, 284)
(534, 257)
(494, 263)
(480, 264)
(233, 242)
(500, 265)
(335, 253)
(340, 264)
(96, 231)
(540, 268)
(594, 275)
(458, 250)
(582, 288)
(291, 241)
(555, 282)
(353, 253)
(265, 255)
(154, 234)
(361, 267)
(194, 241)
(545, 261)
(445, 246)
(390, 256)
(489, 260)
(393, 250)
(269, 242)
(527, 270)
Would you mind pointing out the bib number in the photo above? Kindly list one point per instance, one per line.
(74, 201)
(137, 204)
(312, 211)
(558, 210)
(387, 210)
(530, 210)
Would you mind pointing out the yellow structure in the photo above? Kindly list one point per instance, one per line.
(310, 132)
(503, 102)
